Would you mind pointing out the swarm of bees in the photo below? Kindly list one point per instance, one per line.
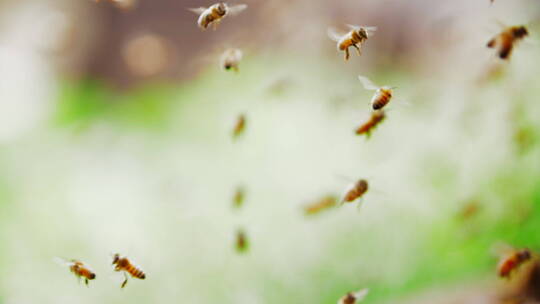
(212, 16)
(355, 37)
(83, 271)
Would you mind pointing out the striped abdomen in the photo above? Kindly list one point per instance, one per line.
(367, 127)
(79, 270)
(135, 272)
(381, 98)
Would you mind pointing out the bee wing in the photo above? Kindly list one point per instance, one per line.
(361, 294)
(368, 85)
(235, 9)
(360, 203)
(198, 10)
(370, 29)
(354, 27)
(62, 262)
(334, 34)
(500, 248)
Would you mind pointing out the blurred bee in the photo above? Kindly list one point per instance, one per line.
(355, 191)
(125, 265)
(241, 243)
(511, 261)
(239, 126)
(238, 198)
(469, 210)
(78, 268)
(324, 203)
(230, 59)
(215, 13)
(376, 118)
(353, 297)
(382, 95)
(505, 41)
(355, 37)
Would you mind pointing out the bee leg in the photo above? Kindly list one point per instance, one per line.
(125, 281)
(347, 55)
(357, 49)
(86, 282)
(215, 24)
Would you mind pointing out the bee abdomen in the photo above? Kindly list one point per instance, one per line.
(381, 101)
(135, 272)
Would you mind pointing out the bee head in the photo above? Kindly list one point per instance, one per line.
(524, 254)
(227, 66)
(363, 33)
(520, 31)
(221, 8)
(116, 257)
(92, 276)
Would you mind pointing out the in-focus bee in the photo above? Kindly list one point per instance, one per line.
(353, 297)
(505, 41)
(324, 203)
(241, 243)
(376, 118)
(355, 38)
(215, 13)
(78, 268)
(238, 198)
(382, 95)
(239, 126)
(123, 264)
(512, 261)
(355, 191)
(230, 59)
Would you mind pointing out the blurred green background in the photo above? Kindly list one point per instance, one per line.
(115, 136)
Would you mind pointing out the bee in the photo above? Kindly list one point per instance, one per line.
(376, 118)
(78, 268)
(382, 95)
(238, 198)
(326, 202)
(241, 243)
(239, 126)
(505, 41)
(355, 191)
(125, 265)
(469, 210)
(230, 59)
(512, 261)
(215, 13)
(353, 297)
(355, 38)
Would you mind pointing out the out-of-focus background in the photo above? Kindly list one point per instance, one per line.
(115, 136)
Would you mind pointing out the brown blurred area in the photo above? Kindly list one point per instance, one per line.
(159, 39)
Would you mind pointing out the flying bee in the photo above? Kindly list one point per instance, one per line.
(122, 4)
(512, 261)
(355, 191)
(78, 268)
(376, 118)
(230, 59)
(239, 126)
(505, 41)
(215, 13)
(123, 264)
(382, 95)
(239, 197)
(241, 243)
(353, 297)
(355, 38)
(324, 203)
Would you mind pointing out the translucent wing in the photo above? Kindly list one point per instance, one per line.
(62, 261)
(334, 34)
(370, 29)
(235, 9)
(198, 10)
(500, 249)
(361, 294)
(368, 85)
(354, 27)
